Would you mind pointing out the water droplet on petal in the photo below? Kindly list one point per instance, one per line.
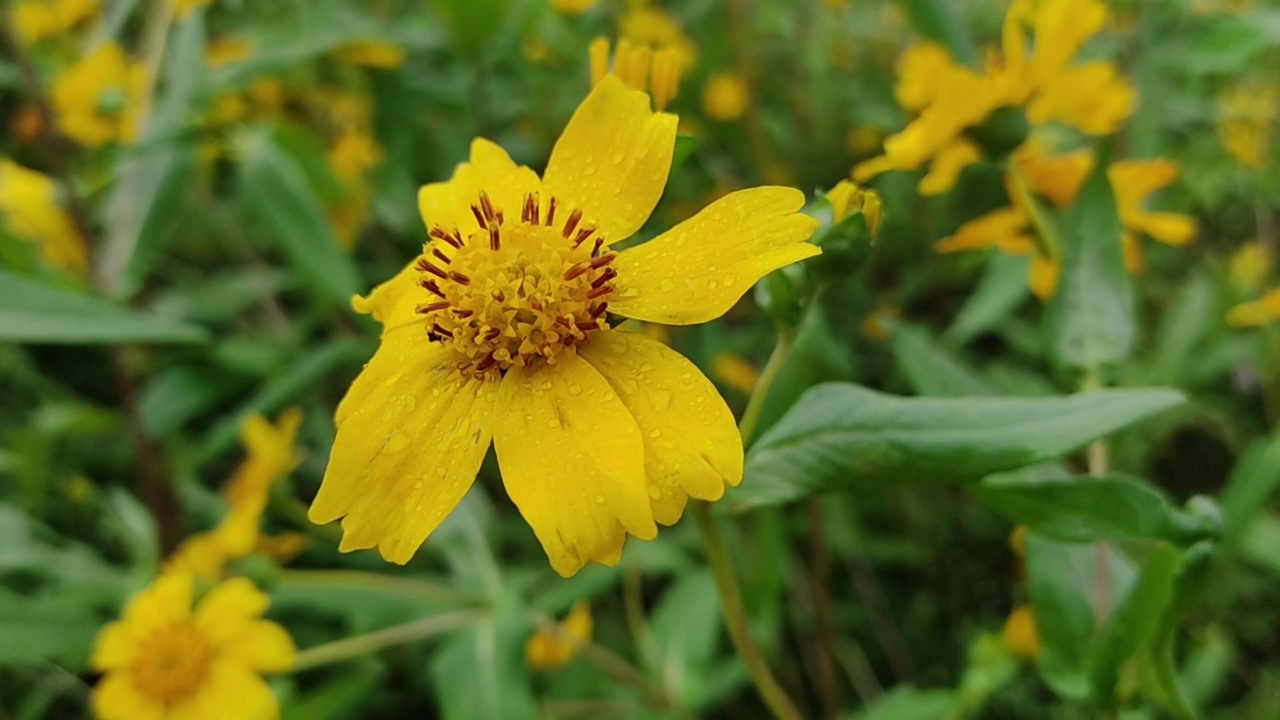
(661, 400)
(599, 499)
(575, 389)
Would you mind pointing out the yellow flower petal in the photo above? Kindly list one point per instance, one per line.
(412, 432)
(1168, 228)
(261, 645)
(230, 691)
(115, 647)
(1093, 98)
(918, 70)
(990, 230)
(115, 698)
(572, 461)
(613, 158)
(229, 608)
(448, 204)
(691, 442)
(1256, 313)
(947, 166)
(697, 270)
(1043, 276)
(164, 601)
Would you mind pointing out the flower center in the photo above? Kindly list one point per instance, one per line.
(516, 293)
(172, 664)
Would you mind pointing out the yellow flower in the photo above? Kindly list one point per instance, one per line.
(552, 648)
(735, 372)
(1251, 265)
(498, 333)
(1259, 312)
(919, 70)
(36, 20)
(1092, 98)
(271, 457)
(652, 27)
(632, 66)
(371, 54)
(1247, 124)
(846, 197)
(227, 51)
(164, 661)
(350, 157)
(573, 7)
(97, 99)
(725, 97)
(30, 210)
(1021, 635)
(182, 9)
(1133, 181)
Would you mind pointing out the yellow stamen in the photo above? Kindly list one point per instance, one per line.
(172, 664)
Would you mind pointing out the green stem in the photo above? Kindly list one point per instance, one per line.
(736, 618)
(421, 590)
(368, 643)
(755, 405)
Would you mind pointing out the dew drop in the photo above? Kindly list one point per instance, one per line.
(655, 433)
(655, 492)
(713, 284)
(575, 389)
(545, 385)
(599, 499)
(618, 157)
(667, 285)
(396, 443)
(661, 400)
(553, 423)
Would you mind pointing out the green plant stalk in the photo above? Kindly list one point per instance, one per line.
(1099, 463)
(368, 643)
(755, 404)
(1046, 235)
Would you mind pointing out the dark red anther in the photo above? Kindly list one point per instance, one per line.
(435, 306)
(606, 276)
(583, 234)
(459, 278)
(484, 365)
(599, 292)
(599, 244)
(531, 209)
(492, 334)
(475, 210)
(551, 210)
(444, 258)
(495, 240)
(603, 260)
(571, 224)
(575, 270)
(462, 314)
(451, 237)
(431, 286)
(599, 310)
(425, 265)
(441, 331)
(562, 320)
(499, 296)
(486, 206)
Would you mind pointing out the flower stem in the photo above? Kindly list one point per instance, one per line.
(755, 405)
(736, 618)
(360, 645)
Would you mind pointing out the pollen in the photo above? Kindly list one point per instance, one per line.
(172, 664)
(517, 291)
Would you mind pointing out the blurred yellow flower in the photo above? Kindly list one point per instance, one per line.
(847, 197)
(863, 140)
(1251, 265)
(639, 67)
(499, 333)
(1259, 312)
(30, 210)
(725, 96)
(97, 99)
(163, 660)
(552, 648)
(227, 51)
(1133, 181)
(573, 7)
(371, 54)
(36, 20)
(652, 27)
(735, 372)
(1093, 98)
(353, 154)
(875, 324)
(182, 9)
(1248, 122)
(919, 70)
(1021, 635)
(271, 457)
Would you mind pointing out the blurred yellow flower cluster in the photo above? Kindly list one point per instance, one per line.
(171, 657)
(552, 647)
(951, 98)
(30, 209)
(371, 54)
(97, 100)
(271, 457)
(726, 96)
(640, 67)
(1247, 123)
(36, 20)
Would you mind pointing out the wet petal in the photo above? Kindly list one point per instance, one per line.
(396, 298)
(572, 460)
(490, 169)
(412, 432)
(697, 270)
(691, 442)
(613, 159)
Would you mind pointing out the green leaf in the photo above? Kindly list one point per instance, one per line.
(1001, 290)
(1058, 575)
(1223, 43)
(344, 696)
(1187, 321)
(905, 702)
(56, 628)
(34, 313)
(687, 626)
(685, 146)
(1089, 321)
(1087, 509)
(1160, 677)
(480, 672)
(840, 436)
(933, 369)
(937, 20)
(1251, 484)
(274, 188)
(1133, 621)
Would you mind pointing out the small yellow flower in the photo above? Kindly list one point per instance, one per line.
(553, 648)
(371, 54)
(847, 197)
(633, 64)
(735, 372)
(919, 70)
(1133, 181)
(652, 27)
(271, 457)
(353, 154)
(1251, 265)
(30, 210)
(573, 7)
(1257, 313)
(37, 20)
(1093, 98)
(1248, 122)
(500, 332)
(227, 51)
(164, 661)
(97, 99)
(725, 96)
(1021, 635)
(182, 9)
